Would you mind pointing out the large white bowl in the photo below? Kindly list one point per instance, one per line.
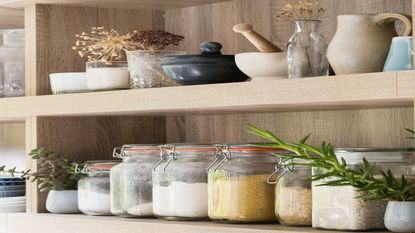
(68, 83)
(263, 66)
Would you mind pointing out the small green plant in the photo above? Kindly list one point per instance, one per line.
(53, 173)
(384, 187)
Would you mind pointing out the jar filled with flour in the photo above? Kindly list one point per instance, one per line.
(94, 189)
(131, 182)
(338, 208)
(180, 190)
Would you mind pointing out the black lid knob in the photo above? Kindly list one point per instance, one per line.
(211, 48)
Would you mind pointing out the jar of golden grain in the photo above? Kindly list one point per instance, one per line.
(293, 200)
(237, 184)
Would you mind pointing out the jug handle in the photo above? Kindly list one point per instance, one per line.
(407, 20)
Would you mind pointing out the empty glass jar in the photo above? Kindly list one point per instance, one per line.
(131, 181)
(293, 200)
(180, 190)
(94, 189)
(238, 188)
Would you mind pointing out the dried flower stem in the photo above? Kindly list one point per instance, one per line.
(302, 10)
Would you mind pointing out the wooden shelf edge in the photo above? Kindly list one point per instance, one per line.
(395, 89)
(88, 224)
(128, 4)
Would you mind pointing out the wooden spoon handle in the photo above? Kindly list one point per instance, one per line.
(262, 44)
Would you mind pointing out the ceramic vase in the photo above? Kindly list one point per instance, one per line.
(400, 216)
(306, 51)
(361, 43)
(63, 202)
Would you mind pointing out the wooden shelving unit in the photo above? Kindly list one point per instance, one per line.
(84, 224)
(362, 110)
(375, 90)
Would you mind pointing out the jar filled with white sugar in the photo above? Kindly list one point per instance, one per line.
(131, 182)
(180, 190)
(339, 208)
(94, 189)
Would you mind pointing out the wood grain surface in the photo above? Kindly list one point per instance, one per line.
(49, 50)
(356, 128)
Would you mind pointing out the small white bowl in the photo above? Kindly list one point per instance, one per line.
(263, 66)
(68, 83)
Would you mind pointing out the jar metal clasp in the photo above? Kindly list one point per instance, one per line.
(222, 152)
(281, 168)
(166, 152)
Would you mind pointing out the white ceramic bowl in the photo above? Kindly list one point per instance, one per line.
(263, 66)
(68, 83)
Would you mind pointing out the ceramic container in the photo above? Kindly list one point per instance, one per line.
(68, 83)
(263, 66)
(361, 43)
(400, 54)
(400, 216)
(209, 67)
(102, 76)
(63, 202)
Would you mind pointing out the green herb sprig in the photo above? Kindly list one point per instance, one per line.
(53, 173)
(385, 187)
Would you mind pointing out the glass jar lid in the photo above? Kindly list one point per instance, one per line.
(130, 150)
(355, 156)
(173, 152)
(94, 167)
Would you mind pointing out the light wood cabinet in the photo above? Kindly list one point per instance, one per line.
(364, 110)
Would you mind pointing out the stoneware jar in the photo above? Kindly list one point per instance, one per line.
(361, 43)
(400, 216)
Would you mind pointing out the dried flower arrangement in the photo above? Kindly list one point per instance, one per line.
(106, 46)
(155, 40)
(302, 10)
(54, 172)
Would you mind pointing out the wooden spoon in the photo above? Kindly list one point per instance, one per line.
(262, 44)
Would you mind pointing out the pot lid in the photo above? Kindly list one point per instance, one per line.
(211, 55)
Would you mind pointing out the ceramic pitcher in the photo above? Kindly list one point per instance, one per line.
(361, 43)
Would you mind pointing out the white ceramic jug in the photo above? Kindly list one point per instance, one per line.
(361, 43)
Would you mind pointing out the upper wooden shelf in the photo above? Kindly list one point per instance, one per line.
(156, 4)
(340, 92)
(86, 224)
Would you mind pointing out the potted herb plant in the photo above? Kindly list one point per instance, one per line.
(398, 191)
(55, 175)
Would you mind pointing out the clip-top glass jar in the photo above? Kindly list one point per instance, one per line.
(337, 207)
(94, 189)
(180, 182)
(238, 188)
(131, 181)
(293, 200)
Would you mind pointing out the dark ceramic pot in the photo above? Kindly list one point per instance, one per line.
(209, 67)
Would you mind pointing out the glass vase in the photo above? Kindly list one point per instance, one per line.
(146, 70)
(306, 53)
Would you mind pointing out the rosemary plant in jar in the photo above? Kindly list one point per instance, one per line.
(94, 189)
(306, 49)
(180, 190)
(131, 180)
(351, 186)
(293, 197)
(238, 188)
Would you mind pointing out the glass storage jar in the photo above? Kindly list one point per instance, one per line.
(293, 200)
(94, 189)
(238, 188)
(180, 182)
(131, 182)
(336, 207)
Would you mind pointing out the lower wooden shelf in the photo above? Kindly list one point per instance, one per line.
(51, 223)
